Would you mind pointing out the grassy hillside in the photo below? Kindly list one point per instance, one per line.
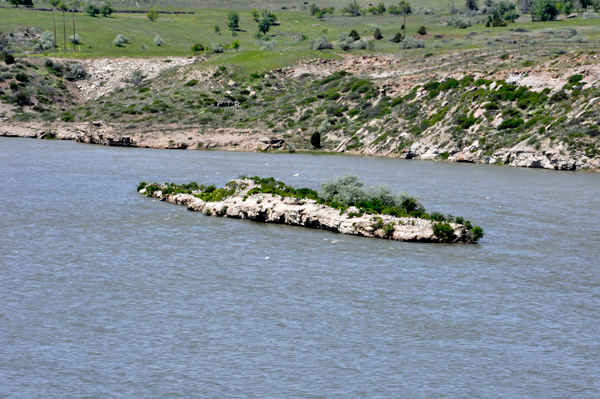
(180, 32)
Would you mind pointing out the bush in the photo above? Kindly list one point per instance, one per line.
(460, 22)
(8, 58)
(573, 79)
(152, 15)
(75, 39)
(422, 30)
(511, 123)
(266, 45)
(21, 77)
(346, 190)
(388, 229)
(354, 35)
(47, 42)
(410, 43)
(75, 71)
(408, 202)
(353, 9)
(589, 13)
(197, 48)
(361, 44)
(136, 77)
(345, 41)
(120, 40)
(158, 41)
(397, 37)
(475, 234)
(498, 23)
(320, 44)
(443, 231)
(323, 128)
(436, 44)
(216, 48)
(315, 140)
(558, 96)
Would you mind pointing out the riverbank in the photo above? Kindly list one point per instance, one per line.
(540, 113)
(521, 155)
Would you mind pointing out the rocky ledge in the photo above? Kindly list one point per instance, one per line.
(303, 212)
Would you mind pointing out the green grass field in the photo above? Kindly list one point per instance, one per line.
(180, 31)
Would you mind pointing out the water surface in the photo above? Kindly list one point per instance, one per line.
(106, 293)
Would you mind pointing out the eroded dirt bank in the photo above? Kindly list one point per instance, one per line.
(246, 140)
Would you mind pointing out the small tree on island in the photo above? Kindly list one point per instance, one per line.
(152, 15)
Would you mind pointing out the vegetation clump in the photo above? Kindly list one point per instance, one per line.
(340, 193)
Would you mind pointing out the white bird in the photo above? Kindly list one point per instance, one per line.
(296, 175)
(266, 164)
(487, 198)
(267, 258)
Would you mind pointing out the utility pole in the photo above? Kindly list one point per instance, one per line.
(55, 37)
(404, 12)
(64, 31)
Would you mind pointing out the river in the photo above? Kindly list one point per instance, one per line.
(105, 293)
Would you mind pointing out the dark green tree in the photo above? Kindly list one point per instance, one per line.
(354, 35)
(92, 10)
(472, 5)
(106, 9)
(544, 10)
(233, 21)
(315, 140)
(377, 34)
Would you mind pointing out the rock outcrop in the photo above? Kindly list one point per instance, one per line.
(270, 208)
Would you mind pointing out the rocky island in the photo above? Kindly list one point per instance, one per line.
(342, 206)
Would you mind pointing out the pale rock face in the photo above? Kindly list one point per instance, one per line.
(497, 120)
(270, 208)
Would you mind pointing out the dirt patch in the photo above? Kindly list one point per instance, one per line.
(107, 75)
